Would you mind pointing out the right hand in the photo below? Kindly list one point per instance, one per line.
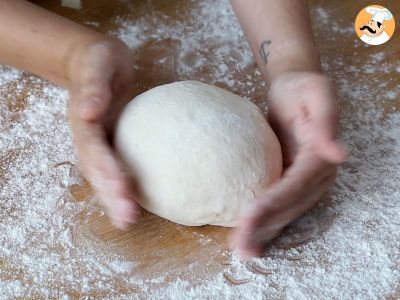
(302, 111)
(101, 84)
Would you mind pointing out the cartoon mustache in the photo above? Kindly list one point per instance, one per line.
(368, 28)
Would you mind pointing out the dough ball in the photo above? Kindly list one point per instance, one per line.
(199, 153)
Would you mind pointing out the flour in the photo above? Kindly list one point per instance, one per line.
(226, 54)
(119, 266)
(353, 251)
(7, 75)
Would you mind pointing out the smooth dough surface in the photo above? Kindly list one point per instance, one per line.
(199, 153)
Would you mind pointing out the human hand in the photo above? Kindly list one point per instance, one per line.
(101, 82)
(302, 112)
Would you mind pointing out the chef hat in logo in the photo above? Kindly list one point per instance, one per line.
(379, 14)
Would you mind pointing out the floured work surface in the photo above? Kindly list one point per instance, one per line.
(56, 242)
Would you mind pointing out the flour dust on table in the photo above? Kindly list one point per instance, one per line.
(345, 248)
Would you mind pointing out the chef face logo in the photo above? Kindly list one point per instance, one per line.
(375, 25)
(372, 28)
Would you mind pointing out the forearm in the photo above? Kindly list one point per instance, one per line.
(39, 41)
(279, 34)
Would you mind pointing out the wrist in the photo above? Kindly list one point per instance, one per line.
(290, 56)
(302, 85)
(300, 79)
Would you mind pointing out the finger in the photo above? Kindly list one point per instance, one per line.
(283, 201)
(113, 187)
(251, 240)
(244, 243)
(105, 172)
(304, 178)
(95, 82)
(239, 243)
(269, 229)
(114, 190)
(306, 172)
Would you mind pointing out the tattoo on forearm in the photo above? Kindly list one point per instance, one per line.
(264, 50)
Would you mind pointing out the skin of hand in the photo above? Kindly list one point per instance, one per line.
(302, 111)
(101, 81)
(97, 71)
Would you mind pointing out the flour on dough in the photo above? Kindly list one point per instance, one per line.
(199, 153)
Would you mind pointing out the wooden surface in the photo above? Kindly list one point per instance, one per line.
(159, 245)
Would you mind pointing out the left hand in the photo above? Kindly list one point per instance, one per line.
(101, 83)
(302, 112)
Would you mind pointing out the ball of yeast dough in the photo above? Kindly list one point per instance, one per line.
(199, 153)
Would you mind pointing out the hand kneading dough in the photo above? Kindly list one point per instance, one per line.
(200, 154)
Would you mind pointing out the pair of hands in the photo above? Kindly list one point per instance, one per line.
(302, 112)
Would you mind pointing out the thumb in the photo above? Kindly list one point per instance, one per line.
(324, 125)
(323, 130)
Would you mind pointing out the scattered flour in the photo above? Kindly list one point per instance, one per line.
(226, 53)
(378, 57)
(322, 15)
(357, 257)
(122, 266)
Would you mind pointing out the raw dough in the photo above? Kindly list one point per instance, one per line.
(200, 154)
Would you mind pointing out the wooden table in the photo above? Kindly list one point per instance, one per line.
(160, 245)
